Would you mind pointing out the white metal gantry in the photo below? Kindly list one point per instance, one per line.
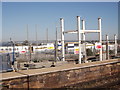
(80, 33)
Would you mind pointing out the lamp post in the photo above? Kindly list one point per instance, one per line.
(115, 39)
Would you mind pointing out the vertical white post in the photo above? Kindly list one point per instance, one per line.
(62, 38)
(79, 37)
(83, 37)
(107, 47)
(100, 37)
(83, 27)
(115, 38)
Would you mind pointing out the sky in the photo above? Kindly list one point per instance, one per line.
(60, 0)
(16, 16)
(0, 21)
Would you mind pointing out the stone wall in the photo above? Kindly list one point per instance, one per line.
(93, 76)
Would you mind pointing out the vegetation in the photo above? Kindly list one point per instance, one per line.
(89, 52)
(111, 52)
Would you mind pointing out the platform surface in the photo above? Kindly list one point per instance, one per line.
(25, 73)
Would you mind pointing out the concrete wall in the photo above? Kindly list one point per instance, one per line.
(90, 76)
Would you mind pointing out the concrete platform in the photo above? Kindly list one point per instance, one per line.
(29, 72)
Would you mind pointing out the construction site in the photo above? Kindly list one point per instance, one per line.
(62, 64)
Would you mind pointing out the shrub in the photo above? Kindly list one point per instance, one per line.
(89, 52)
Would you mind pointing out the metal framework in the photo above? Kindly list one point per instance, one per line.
(80, 33)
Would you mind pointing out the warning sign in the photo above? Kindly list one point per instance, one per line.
(76, 51)
(98, 45)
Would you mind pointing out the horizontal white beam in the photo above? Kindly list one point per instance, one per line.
(71, 31)
(83, 31)
(90, 31)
